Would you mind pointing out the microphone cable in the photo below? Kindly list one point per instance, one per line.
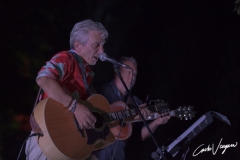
(121, 126)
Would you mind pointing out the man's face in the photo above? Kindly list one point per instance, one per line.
(128, 75)
(93, 48)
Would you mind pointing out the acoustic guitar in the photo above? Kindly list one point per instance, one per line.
(63, 139)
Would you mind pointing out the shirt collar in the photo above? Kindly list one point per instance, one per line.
(81, 59)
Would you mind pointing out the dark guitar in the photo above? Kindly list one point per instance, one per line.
(159, 109)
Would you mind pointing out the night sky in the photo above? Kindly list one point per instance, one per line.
(187, 54)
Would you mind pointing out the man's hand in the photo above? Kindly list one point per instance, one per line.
(153, 126)
(163, 120)
(84, 117)
(145, 112)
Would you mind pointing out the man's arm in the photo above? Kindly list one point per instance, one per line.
(153, 126)
(55, 91)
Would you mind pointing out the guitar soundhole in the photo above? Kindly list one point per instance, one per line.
(99, 123)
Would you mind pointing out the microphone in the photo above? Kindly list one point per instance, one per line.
(104, 57)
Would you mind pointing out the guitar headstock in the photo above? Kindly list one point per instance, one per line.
(161, 107)
(158, 106)
(185, 112)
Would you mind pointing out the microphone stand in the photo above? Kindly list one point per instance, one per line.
(158, 155)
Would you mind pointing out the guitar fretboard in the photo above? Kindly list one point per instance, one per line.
(127, 113)
(119, 115)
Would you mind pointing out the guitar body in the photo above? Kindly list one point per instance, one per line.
(62, 140)
(126, 130)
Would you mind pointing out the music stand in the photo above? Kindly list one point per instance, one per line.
(193, 131)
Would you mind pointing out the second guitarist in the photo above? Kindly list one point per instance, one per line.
(114, 91)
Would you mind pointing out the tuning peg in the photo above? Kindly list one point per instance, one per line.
(186, 118)
(190, 108)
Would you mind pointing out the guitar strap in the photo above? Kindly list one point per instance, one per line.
(92, 90)
(33, 122)
(129, 101)
(80, 63)
(89, 88)
(40, 91)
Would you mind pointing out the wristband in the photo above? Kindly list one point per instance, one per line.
(73, 107)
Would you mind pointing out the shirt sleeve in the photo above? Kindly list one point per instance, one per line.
(56, 67)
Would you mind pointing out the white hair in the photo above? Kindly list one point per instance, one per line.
(81, 30)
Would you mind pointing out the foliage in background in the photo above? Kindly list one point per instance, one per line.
(40, 30)
(237, 6)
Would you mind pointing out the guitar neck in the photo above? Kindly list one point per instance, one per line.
(129, 113)
(119, 115)
(158, 111)
(172, 113)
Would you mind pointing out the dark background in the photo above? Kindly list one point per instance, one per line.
(187, 52)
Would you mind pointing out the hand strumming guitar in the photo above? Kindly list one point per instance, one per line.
(84, 117)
